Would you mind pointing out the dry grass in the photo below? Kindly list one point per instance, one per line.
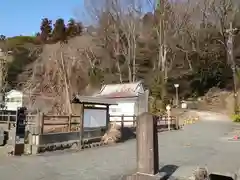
(218, 100)
(113, 135)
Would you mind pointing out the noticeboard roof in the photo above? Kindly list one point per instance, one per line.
(93, 100)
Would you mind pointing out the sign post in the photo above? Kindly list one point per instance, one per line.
(168, 108)
(177, 98)
(18, 148)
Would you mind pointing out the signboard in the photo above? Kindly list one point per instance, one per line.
(94, 118)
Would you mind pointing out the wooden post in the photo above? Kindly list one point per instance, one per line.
(41, 119)
(69, 122)
(147, 145)
(9, 121)
(176, 122)
(134, 120)
(81, 130)
(107, 120)
(37, 122)
(122, 123)
(107, 115)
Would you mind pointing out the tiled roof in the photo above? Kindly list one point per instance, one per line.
(124, 90)
(93, 100)
(118, 95)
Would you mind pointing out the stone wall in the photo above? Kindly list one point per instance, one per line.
(52, 141)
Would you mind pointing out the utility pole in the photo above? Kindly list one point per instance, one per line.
(231, 59)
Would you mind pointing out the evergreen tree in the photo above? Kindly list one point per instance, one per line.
(46, 29)
(2, 38)
(59, 31)
(79, 28)
(71, 28)
(74, 28)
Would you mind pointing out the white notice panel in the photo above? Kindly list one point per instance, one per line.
(95, 118)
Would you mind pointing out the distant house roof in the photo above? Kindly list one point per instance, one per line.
(125, 90)
(93, 100)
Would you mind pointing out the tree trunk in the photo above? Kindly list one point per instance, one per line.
(134, 59)
(117, 58)
(189, 62)
(129, 58)
(165, 69)
(161, 36)
(66, 84)
(162, 55)
(119, 71)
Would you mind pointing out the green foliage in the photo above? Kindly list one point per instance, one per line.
(18, 41)
(74, 28)
(46, 30)
(95, 76)
(156, 87)
(23, 47)
(21, 59)
(2, 38)
(59, 31)
(210, 74)
(236, 118)
(158, 92)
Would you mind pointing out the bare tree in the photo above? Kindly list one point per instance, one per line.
(59, 73)
(122, 32)
(131, 29)
(3, 75)
(225, 12)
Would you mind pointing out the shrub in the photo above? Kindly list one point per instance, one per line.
(236, 118)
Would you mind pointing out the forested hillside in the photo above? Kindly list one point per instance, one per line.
(179, 42)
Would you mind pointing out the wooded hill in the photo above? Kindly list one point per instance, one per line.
(180, 42)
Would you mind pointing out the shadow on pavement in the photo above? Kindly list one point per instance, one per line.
(128, 133)
(219, 177)
(168, 170)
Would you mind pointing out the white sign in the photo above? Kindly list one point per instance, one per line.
(95, 118)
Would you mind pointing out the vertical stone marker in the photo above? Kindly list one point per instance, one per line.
(147, 149)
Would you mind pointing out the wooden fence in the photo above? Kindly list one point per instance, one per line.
(9, 120)
(58, 123)
(162, 121)
(69, 123)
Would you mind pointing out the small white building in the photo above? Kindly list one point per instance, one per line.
(13, 100)
(131, 98)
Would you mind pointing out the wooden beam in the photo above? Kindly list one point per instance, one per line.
(81, 127)
(89, 107)
(107, 116)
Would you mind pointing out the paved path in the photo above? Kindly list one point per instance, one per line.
(203, 144)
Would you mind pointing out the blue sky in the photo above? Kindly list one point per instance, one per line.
(23, 17)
